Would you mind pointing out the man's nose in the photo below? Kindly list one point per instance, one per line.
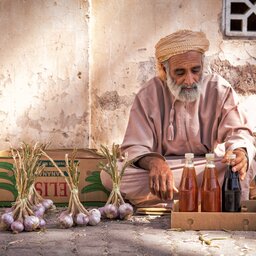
(189, 79)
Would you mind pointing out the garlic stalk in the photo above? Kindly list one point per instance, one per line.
(76, 214)
(115, 206)
(38, 201)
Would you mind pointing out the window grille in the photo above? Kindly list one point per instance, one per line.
(240, 18)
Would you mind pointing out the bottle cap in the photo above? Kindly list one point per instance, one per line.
(232, 156)
(189, 155)
(209, 156)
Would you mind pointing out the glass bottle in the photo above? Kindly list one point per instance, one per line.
(188, 190)
(210, 189)
(231, 189)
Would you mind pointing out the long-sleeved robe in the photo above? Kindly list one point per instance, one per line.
(159, 124)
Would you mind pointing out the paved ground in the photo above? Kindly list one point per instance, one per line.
(142, 236)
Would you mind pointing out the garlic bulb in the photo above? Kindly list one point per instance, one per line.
(42, 224)
(111, 211)
(39, 210)
(7, 219)
(47, 203)
(63, 213)
(102, 212)
(94, 217)
(31, 223)
(125, 211)
(17, 227)
(81, 219)
(66, 221)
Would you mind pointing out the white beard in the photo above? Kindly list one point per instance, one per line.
(183, 92)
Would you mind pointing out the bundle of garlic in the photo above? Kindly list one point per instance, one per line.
(76, 214)
(21, 216)
(115, 206)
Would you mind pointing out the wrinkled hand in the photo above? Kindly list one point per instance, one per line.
(240, 164)
(161, 182)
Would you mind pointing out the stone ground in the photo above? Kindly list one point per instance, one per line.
(142, 235)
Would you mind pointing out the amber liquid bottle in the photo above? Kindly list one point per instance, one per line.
(210, 189)
(188, 190)
(231, 189)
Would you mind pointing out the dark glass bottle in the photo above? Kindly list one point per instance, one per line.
(210, 189)
(188, 190)
(231, 189)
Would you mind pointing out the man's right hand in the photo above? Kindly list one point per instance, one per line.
(161, 182)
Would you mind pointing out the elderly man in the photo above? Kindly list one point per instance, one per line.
(182, 110)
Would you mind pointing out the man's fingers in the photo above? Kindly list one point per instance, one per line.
(163, 195)
(242, 175)
(155, 186)
(151, 182)
(163, 185)
(158, 194)
(243, 169)
(169, 189)
(240, 164)
(161, 182)
(158, 187)
(152, 185)
(225, 158)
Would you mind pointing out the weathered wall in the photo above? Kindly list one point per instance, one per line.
(124, 34)
(44, 93)
(69, 73)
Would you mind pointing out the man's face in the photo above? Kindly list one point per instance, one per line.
(184, 76)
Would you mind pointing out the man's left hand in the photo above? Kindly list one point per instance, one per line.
(240, 164)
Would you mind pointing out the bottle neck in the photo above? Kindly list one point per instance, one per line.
(210, 163)
(189, 163)
(230, 159)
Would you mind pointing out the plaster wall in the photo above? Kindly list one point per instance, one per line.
(44, 90)
(69, 69)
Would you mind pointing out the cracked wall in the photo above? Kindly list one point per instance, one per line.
(242, 77)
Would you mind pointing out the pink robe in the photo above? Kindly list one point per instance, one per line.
(161, 125)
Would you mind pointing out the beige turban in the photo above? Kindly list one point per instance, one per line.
(177, 43)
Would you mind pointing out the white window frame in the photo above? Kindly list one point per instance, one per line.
(243, 17)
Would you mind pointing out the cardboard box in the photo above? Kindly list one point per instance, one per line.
(51, 185)
(245, 221)
(253, 189)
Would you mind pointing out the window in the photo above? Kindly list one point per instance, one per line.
(240, 18)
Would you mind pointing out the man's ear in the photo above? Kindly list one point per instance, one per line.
(163, 67)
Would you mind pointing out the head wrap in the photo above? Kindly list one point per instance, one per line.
(179, 42)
